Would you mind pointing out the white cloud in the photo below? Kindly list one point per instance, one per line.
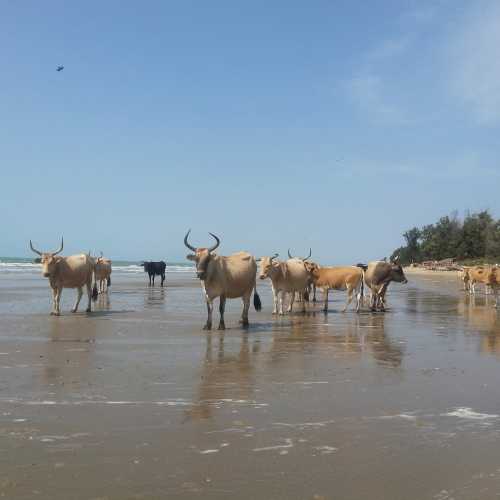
(474, 63)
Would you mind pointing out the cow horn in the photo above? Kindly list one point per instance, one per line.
(211, 249)
(289, 254)
(60, 248)
(310, 253)
(274, 256)
(186, 242)
(34, 249)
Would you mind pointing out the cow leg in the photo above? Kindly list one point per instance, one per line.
(349, 298)
(79, 294)
(246, 307)
(359, 299)
(292, 299)
(57, 301)
(275, 300)
(373, 300)
(381, 297)
(54, 302)
(325, 294)
(210, 307)
(281, 297)
(162, 279)
(89, 296)
(303, 302)
(222, 307)
(314, 293)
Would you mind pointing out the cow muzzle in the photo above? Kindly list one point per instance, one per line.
(201, 275)
(45, 275)
(262, 276)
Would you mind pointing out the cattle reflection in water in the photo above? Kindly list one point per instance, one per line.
(225, 375)
(154, 298)
(356, 335)
(484, 319)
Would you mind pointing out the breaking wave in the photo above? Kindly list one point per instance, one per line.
(28, 266)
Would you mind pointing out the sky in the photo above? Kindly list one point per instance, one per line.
(335, 125)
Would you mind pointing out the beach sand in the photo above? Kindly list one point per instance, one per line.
(135, 401)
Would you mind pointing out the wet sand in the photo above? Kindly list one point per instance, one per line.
(135, 401)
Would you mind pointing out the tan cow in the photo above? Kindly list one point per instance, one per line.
(287, 277)
(489, 276)
(74, 271)
(103, 273)
(228, 277)
(477, 274)
(348, 278)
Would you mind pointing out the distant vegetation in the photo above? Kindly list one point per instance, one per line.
(474, 239)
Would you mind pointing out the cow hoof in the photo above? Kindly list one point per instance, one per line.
(244, 323)
(88, 310)
(73, 310)
(207, 327)
(222, 326)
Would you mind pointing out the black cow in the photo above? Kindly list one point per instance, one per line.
(153, 269)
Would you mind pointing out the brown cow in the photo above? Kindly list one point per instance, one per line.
(487, 275)
(348, 278)
(477, 274)
(378, 275)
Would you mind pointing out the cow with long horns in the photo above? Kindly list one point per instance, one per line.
(228, 277)
(74, 271)
(287, 277)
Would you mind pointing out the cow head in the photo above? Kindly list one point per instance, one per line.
(266, 266)
(48, 260)
(397, 274)
(312, 268)
(201, 256)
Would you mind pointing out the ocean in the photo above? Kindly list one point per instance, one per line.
(13, 265)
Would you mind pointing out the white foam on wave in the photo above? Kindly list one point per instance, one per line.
(119, 268)
(469, 413)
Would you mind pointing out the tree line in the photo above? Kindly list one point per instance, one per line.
(475, 238)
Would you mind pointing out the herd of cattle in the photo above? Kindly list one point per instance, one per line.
(235, 276)
(229, 277)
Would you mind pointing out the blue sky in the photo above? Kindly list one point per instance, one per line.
(335, 125)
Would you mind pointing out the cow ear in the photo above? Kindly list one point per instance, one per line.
(191, 256)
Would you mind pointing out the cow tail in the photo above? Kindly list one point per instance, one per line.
(256, 300)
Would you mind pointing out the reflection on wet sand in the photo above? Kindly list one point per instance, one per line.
(483, 318)
(154, 298)
(74, 349)
(346, 335)
(225, 375)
